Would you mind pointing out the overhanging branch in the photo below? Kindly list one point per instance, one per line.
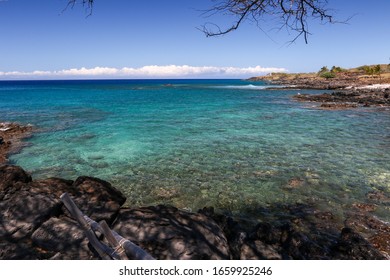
(291, 14)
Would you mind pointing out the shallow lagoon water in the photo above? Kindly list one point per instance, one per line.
(230, 144)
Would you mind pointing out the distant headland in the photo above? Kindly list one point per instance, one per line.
(366, 86)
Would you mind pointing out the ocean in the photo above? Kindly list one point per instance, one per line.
(236, 145)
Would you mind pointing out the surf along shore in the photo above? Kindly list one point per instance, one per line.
(34, 224)
(365, 86)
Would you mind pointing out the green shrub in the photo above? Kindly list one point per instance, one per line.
(374, 70)
(328, 75)
(337, 69)
(324, 69)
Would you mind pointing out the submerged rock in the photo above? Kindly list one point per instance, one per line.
(378, 196)
(294, 183)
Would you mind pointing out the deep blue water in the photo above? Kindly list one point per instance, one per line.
(230, 144)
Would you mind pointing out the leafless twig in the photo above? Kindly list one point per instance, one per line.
(292, 14)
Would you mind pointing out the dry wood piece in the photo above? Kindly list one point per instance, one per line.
(122, 248)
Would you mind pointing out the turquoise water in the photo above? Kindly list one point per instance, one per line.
(230, 144)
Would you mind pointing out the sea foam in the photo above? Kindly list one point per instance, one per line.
(247, 87)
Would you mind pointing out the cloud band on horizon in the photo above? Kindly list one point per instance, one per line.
(151, 71)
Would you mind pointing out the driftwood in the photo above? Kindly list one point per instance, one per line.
(121, 247)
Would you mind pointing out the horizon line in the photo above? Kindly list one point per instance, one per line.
(144, 72)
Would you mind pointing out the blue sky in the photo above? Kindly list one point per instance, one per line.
(146, 39)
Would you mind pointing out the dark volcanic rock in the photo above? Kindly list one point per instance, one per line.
(35, 225)
(286, 243)
(97, 198)
(353, 246)
(21, 211)
(258, 250)
(62, 238)
(337, 106)
(10, 177)
(233, 231)
(169, 233)
(344, 99)
(32, 221)
(17, 251)
(11, 135)
(267, 233)
(262, 243)
(373, 229)
(299, 246)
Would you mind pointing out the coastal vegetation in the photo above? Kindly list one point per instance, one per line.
(362, 75)
(367, 86)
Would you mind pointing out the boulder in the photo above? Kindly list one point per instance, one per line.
(97, 198)
(352, 246)
(169, 233)
(21, 211)
(16, 251)
(294, 183)
(34, 222)
(235, 234)
(258, 250)
(11, 179)
(375, 231)
(62, 238)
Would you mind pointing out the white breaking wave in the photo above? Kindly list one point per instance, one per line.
(250, 87)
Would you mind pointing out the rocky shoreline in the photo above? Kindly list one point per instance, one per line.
(349, 98)
(11, 136)
(349, 89)
(34, 224)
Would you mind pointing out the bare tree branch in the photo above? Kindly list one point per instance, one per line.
(86, 3)
(291, 14)
(294, 15)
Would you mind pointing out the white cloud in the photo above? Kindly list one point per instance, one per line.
(151, 71)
